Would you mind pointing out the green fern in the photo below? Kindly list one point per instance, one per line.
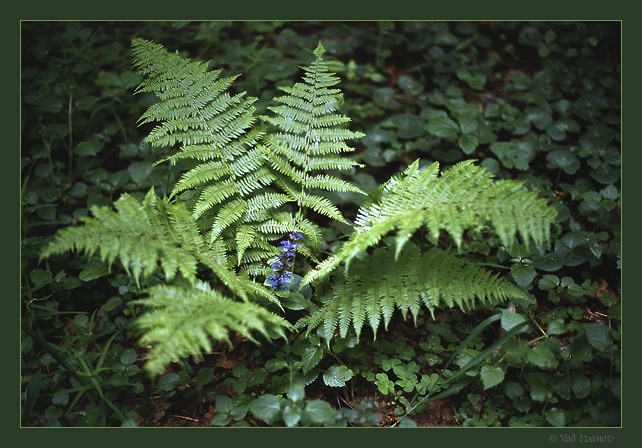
(154, 236)
(179, 322)
(309, 142)
(382, 282)
(143, 236)
(465, 197)
(151, 236)
(217, 132)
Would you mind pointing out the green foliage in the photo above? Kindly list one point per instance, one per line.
(537, 104)
(217, 131)
(464, 198)
(383, 281)
(143, 236)
(180, 322)
(310, 140)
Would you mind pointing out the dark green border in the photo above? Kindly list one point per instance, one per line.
(291, 10)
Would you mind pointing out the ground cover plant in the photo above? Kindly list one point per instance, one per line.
(321, 224)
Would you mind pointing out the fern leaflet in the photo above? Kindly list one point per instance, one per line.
(309, 133)
(179, 322)
(217, 132)
(380, 283)
(464, 197)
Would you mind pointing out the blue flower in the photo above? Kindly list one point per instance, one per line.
(283, 264)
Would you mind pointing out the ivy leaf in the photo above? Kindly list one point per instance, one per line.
(491, 376)
(168, 382)
(337, 375)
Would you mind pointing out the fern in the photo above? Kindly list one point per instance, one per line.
(465, 197)
(383, 282)
(142, 235)
(309, 141)
(248, 184)
(155, 235)
(179, 322)
(217, 132)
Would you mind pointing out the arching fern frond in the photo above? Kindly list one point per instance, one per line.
(143, 236)
(308, 138)
(216, 130)
(374, 287)
(179, 322)
(464, 197)
(149, 236)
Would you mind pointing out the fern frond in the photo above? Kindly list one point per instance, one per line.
(179, 322)
(382, 282)
(144, 236)
(464, 197)
(308, 133)
(215, 129)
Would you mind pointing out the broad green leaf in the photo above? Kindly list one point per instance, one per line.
(581, 386)
(555, 417)
(410, 85)
(139, 171)
(491, 376)
(93, 271)
(598, 335)
(319, 411)
(549, 262)
(556, 327)
(168, 382)
(296, 392)
(224, 404)
(523, 274)
(128, 357)
(337, 375)
(291, 415)
(311, 356)
(266, 407)
(511, 319)
(440, 125)
(513, 390)
(564, 159)
(542, 357)
(468, 143)
(60, 398)
(88, 147)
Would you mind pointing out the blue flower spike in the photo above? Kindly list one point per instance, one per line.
(283, 265)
